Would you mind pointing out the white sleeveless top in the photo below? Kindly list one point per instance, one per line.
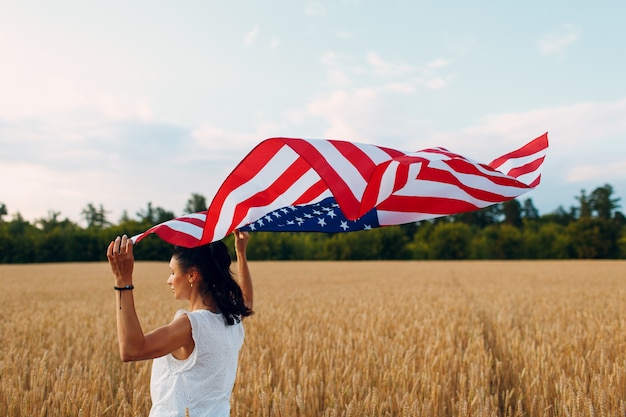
(202, 383)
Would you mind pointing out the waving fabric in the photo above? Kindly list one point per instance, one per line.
(289, 184)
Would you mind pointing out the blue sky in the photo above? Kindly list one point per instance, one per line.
(125, 103)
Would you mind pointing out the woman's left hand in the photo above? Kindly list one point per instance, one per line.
(241, 242)
(121, 260)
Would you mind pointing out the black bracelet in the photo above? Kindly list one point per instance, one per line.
(128, 287)
(120, 289)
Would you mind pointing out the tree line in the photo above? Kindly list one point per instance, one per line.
(592, 229)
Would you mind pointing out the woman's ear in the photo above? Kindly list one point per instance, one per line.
(193, 275)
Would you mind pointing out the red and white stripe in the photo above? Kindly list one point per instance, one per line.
(404, 187)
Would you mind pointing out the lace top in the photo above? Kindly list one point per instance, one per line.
(202, 383)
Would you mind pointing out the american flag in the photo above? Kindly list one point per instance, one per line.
(288, 184)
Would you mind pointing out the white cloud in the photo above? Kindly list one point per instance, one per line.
(405, 78)
(574, 129)
(598, 173)
(314, 8)
(362, 114)
(402, 88)
(214, 138)
(438, 63)
(329, 58)
(34, 88)
(339, 109)
(337, 78)
(385, 68)
(557, 42)
(275, 43)
(266, 130)
(587, 146)
(435, 83)
(337, 68)
(56, 97)
(379, 66)
(579, 124)
(579, 134)
(250, 38)
(345, 34)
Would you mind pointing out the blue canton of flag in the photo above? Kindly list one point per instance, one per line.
(324, 216)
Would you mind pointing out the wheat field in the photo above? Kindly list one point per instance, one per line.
(338, 339)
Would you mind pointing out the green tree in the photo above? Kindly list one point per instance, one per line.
(602, 203)
(20, 240)
(498, 241)
(270, 246)
(362, 245)
(195, 204)
(3, 212)
(450, 241)
(560, 216)
(622, 246)
(619, 219)
(549, 241)
(154, 215)
(148, 215)
(529, 211)
(584, 210)
(480, 218)
(95, 217)
(50, 222)
(124, 217)
(394, 239)
(163, 215)
(594, 238)
(512, 211)
(56, 242)
(5, 249)
(419, 247)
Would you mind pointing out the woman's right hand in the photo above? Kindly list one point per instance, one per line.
(121, 260)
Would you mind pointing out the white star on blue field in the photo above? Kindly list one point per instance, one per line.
(324, 216)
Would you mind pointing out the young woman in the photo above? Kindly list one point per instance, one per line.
(196, 355)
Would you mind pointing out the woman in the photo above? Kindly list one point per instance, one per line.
(196, 354)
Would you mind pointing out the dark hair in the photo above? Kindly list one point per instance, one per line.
(213, 263)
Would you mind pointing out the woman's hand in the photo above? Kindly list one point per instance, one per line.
(243, 276)
(241, 242)
(121, 260)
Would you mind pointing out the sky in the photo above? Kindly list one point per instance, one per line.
(122, 104)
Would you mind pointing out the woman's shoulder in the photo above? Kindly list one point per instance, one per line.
(202, 316)
(181, 312)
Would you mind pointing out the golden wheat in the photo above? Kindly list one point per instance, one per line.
(339, 339)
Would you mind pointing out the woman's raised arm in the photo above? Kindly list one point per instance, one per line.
(243, 277)
(133, 343)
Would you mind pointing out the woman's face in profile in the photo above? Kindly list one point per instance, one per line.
(178, 281)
